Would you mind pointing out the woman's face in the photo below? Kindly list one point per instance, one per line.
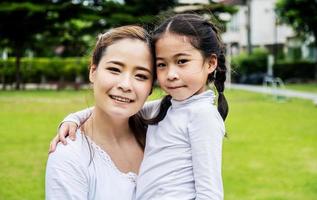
(123, 78)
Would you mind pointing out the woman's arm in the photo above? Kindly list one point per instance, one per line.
(206, 132)
(65, 176)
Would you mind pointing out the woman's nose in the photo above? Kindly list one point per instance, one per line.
(125, 83)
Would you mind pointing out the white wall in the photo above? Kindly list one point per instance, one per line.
(263, 28)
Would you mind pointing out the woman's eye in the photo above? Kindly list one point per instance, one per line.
(113, 69)
(182, 61)
(141, 77)
(160, 65)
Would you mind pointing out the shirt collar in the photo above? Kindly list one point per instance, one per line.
(207, 95)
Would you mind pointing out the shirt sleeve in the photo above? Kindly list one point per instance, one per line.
(65, 177)
(206, 132)
(150, 109)
(78, 117)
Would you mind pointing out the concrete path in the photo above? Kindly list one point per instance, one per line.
(282, 92)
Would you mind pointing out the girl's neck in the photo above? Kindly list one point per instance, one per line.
(104, 128)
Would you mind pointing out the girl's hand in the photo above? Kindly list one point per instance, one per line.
(66, 129)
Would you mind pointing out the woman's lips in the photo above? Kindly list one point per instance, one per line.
(121, 99)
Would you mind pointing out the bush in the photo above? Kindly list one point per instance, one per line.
(248, 64)
(295, 70)
(34, 70)
(250, 68)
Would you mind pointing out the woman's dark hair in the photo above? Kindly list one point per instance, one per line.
(136, 122)
(204, 36)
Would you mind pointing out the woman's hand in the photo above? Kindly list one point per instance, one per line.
(66, 129)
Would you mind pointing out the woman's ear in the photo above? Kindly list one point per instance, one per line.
(213, 63)
(92, 73)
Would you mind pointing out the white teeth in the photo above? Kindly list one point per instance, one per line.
(122, 99)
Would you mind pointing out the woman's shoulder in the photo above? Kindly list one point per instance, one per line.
(73, 151)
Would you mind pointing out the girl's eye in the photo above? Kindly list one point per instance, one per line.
(182, 61)
(160, 65)
(113, 69)
(141, 77)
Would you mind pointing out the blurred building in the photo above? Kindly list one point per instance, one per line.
(264, 31)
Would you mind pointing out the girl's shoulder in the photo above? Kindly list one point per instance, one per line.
(150, 108)
(205, 112)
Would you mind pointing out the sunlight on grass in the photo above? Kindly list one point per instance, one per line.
(270, 153)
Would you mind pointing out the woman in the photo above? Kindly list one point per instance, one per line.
(103, 162)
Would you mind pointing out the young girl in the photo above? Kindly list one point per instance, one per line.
(182, 156)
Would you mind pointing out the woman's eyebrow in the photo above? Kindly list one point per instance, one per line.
(143, 69)
(116, 63)
(123, 65)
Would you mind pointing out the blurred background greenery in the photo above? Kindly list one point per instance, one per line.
(270, 153)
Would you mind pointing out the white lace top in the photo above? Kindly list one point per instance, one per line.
(71, 174)
(183, 152)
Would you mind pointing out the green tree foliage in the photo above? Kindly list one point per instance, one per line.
(67, 27)
(22, 21)
(300, 14)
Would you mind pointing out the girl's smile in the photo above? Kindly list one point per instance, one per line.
(181, 69)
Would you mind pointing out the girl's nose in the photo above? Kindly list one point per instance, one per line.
(125, 83)
(172, 74)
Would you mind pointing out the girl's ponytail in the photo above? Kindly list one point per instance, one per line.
(219, 81)
(204, 36)
(165, 104)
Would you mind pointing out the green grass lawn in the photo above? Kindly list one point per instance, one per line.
(270, 154)
(305, 87)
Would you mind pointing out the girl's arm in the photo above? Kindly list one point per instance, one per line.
(150, 108)
(65, 177)
(69, 126)
(206, 132)
(78, 117)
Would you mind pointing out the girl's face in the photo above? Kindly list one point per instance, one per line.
(123, 78)
(181, 69)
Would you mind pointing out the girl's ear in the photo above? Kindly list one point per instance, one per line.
(92, 73)
(212, 64)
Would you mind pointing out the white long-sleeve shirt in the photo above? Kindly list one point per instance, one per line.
(182, 157)
(72, 175)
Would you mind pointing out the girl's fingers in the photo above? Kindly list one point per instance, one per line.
(53, 144)
(63, 132)
(72, 131)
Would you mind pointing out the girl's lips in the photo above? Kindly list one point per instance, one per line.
(174, 87)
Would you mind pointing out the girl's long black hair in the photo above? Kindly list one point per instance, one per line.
(205, 37)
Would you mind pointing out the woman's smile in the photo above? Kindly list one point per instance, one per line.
(121, 99)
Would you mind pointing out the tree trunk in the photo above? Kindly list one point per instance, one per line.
(249, 24)
(17, 68)
(315, 57)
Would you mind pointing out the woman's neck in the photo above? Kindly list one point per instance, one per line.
(102, 127)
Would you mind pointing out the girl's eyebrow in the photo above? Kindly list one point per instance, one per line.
(176, 55)
(181, 54)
